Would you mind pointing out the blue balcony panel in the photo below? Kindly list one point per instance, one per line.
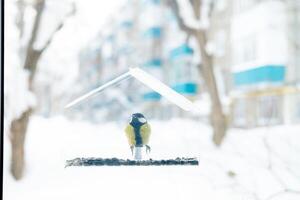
(157, 62)
(153, 32)
(110, 38)
(155, 2)
(126, 24)
(126, 49)
(151, 96)
(263, 74)
(188, 88)
(181, 51)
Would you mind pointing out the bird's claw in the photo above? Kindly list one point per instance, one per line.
(148, 149)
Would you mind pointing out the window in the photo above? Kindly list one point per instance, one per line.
(297, 106)
(269, 110)
(245, 50)
(239, 113)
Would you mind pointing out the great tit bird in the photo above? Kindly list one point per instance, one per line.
(138, 132)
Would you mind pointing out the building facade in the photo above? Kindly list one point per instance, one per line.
(265, 62)
(256, 60)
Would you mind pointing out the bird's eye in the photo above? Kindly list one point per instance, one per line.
(142, 120)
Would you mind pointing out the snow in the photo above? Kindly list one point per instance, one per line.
(187, 14)
(221, 5)
(210, 48)
(238, 170)
(216, 45)
(251, 164)
(17, 96)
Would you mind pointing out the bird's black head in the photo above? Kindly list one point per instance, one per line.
(137, 119)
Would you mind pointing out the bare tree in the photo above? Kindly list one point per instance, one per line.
(218, 118)
(32, 56)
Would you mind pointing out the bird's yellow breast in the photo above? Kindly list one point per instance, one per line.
(144, 132)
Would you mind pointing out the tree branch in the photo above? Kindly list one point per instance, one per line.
(196, 7)
(48, 42)
(33, 55)
(58, 28)
(20, 17)
(173, 4)
(39, 8)
(211, 8)
(218, 118)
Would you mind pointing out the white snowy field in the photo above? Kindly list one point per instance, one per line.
(262, 163)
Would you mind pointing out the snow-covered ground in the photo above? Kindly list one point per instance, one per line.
(260, 163)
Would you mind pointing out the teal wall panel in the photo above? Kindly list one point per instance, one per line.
(267, 73)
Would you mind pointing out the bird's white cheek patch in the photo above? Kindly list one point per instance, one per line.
(142, 120)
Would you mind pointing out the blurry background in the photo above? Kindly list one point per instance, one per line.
(239, 60)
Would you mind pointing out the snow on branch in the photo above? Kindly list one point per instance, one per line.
(33, 55)
(59, 27)
(192, 15)
(17, 97)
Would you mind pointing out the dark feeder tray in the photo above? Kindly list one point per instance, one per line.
(128, 162)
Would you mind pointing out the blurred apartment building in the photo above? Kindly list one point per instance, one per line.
(265, 62)
(145, 34)
(256, 60)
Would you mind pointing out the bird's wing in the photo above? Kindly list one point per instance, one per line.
(145, 133)
(130, 135)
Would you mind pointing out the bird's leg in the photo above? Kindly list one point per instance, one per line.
(131, 148)
(148, 148)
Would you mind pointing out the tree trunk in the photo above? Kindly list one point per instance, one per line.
(32, 56)
(30, 64)
(18, 132)
(217, 117)
(18, 127)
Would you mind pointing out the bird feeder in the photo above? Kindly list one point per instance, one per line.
(159, 87)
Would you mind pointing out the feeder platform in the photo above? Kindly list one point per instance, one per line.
(128, 162)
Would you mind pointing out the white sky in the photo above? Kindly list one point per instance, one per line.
(93, 14)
